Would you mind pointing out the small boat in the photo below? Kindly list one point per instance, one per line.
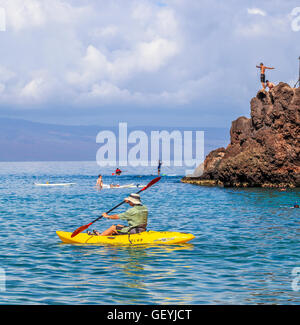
(143, 238)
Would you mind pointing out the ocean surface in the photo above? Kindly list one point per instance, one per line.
(246, 247)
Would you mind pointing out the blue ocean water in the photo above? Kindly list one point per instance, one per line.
(246, 246)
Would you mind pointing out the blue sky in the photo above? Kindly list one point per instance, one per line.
(145, 62)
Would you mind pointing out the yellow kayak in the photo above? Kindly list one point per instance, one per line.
(146, 237)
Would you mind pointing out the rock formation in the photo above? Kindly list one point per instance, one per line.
(264, 150)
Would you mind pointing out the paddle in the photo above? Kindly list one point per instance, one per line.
(82, 228)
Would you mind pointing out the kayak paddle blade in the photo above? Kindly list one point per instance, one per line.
(79, 230)
(154, 181)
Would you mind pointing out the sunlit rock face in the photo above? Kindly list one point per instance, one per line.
(264, 149)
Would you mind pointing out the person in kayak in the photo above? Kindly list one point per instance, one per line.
(118, 171)
(136, 216)
(99, 182)
(263, 68)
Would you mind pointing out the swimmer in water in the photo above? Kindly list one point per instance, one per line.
(99, 182)
(114, 186)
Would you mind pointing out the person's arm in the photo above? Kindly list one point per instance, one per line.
(269, 68)
(113, 216)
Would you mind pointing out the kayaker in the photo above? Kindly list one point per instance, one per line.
(136, 217)
(99, 182)
(118, 171)
(296, 206)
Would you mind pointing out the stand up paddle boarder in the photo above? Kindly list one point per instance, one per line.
(136, 216)
(159, 167)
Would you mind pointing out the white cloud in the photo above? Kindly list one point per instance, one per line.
(144, 57)
(147, 38)
(92, 67)
(33, 88)
(6, 74)
(150, 56)
(106, 92)
(101, 52)
(22, 14)
(264, 28)
(256, 11)
(105, 32)
(38, 89)
(143, 12)
(2, 88)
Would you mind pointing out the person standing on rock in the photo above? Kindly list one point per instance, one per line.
(263, 68)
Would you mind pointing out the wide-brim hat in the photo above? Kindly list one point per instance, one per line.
(134, 198)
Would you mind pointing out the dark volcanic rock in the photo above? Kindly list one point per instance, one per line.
(265, 149)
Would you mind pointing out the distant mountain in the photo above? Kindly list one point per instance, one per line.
(22, 140)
